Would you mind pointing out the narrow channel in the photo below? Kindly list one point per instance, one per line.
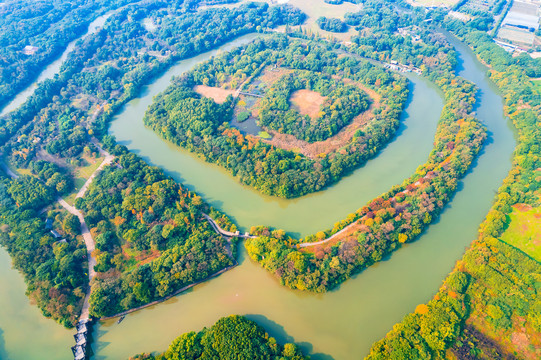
(302, 216)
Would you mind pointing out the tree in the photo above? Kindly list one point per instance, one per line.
(71, 225)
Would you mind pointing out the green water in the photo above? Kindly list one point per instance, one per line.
(341, 324)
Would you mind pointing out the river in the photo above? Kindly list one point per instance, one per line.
(341, 324)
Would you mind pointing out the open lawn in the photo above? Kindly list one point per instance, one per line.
(524, 231)
(81, 176)
(307, 102)
(217, 94)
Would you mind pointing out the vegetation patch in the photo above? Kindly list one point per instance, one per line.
(344, 102)
(151, 237)
(524, 230)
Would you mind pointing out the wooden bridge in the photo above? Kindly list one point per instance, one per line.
(250, 94)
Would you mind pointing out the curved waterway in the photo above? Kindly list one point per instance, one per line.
(54, 68)
(341, 324)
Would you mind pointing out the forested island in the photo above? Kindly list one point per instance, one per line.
(95, 229)
(201, 125)
(232, 337)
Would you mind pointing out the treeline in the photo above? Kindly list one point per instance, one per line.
(200, 125)
(395, 217)
(47, 25)
(232, 337)
(151, 237)
(502, 292)
(332, 24)
(53, 270)
(343, 104)
(111, 66)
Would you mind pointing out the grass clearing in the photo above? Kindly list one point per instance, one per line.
(524, 231)
(307, 102)
(217, 94)
(264, 135)
(81, 176)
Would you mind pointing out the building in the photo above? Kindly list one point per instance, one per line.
(29, 50)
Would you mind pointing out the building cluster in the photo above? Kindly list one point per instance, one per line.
(394, 65)
(521, 22)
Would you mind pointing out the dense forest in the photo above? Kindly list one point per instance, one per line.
(102, 73)
(232, 337)
(110, 67)
(332, 24)
(151, 237)
(500, 282)
(200, 125)
(47, 25)
(53, 264)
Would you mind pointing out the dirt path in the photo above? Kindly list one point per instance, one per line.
(107, 161)
(89, 242)
(344, 230)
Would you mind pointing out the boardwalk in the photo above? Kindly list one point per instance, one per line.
(250, 94)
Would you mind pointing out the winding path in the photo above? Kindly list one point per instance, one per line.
(85, 232)
(228, 234)
(304, 245)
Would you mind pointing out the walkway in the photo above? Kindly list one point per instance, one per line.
(107, 161)
(303, 245)
(90, 246)
(222, 232)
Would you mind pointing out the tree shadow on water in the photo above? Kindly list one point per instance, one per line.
(278, 332)
(3, 351)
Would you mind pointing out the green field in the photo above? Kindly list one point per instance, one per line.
(524, 231)
(537, 85)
